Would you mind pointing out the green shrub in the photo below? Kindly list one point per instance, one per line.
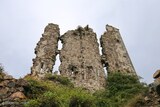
(50, 94)
(60, 79)
(50, 99)
(34, 89)
(82, 100)
(32, 103)
(120, 89)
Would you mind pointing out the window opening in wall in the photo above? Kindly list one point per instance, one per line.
(105, 71)
(57, 62)
(42, 64)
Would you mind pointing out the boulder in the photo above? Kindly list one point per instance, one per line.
(7, 77)
(4, 83)
(147, 98)
(4, 91)
(156, 74)
(20, 89)
(18, 95)
(21, 82)
(11, 84)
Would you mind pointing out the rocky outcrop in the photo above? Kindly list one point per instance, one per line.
(12, 91)
(115, 56)
(156, 82)
(152, 97)
(46, 51)
(149, 99)
(80, 59)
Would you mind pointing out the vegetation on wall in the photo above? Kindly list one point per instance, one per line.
(121, 89)
(57, 91)
(49, 93)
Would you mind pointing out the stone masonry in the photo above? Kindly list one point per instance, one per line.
(80, 59)
(156, 83)
(12, 91)
(46, 51)
(115, 56)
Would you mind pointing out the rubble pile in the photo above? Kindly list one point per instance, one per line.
(12, 91)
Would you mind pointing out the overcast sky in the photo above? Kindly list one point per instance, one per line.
(22, 22)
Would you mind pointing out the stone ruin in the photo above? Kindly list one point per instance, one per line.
(151, 98)
(46, 51)
(114, 53)
(80, 58)
(156, 82)
(12, 91)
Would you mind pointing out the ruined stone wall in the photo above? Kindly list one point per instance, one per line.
(12, 91)
(115, 56)
(80, 59)
(46, 51)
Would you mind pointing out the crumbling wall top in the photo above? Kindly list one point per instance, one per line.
(111, 28)
(51, 27)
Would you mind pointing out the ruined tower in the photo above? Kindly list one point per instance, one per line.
(80, 59)
(115, 56)
(46, 51)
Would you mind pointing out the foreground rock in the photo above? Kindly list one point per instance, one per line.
(152, 97)
(156, 83)
(156, 74)
(12, 91)
(149, 99)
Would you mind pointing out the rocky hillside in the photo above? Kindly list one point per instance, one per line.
(151, 98)
(58, 91)
(12, 91)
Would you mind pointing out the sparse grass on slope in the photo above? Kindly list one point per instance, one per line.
(51, 94)
(58, 91)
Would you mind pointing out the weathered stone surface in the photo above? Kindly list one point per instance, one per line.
(157, 85)
(4, 91)
(80, 59)
(21, 89)
(12, 104)
(21, 82)
(4, 83)
(149, 99)
(7, 77)
(115, 56)
(4, 76)
(152, 98)
(18, 95)
(11, 84)
(157, 82)
(12, 92)
(46, 51)
(156, 74)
